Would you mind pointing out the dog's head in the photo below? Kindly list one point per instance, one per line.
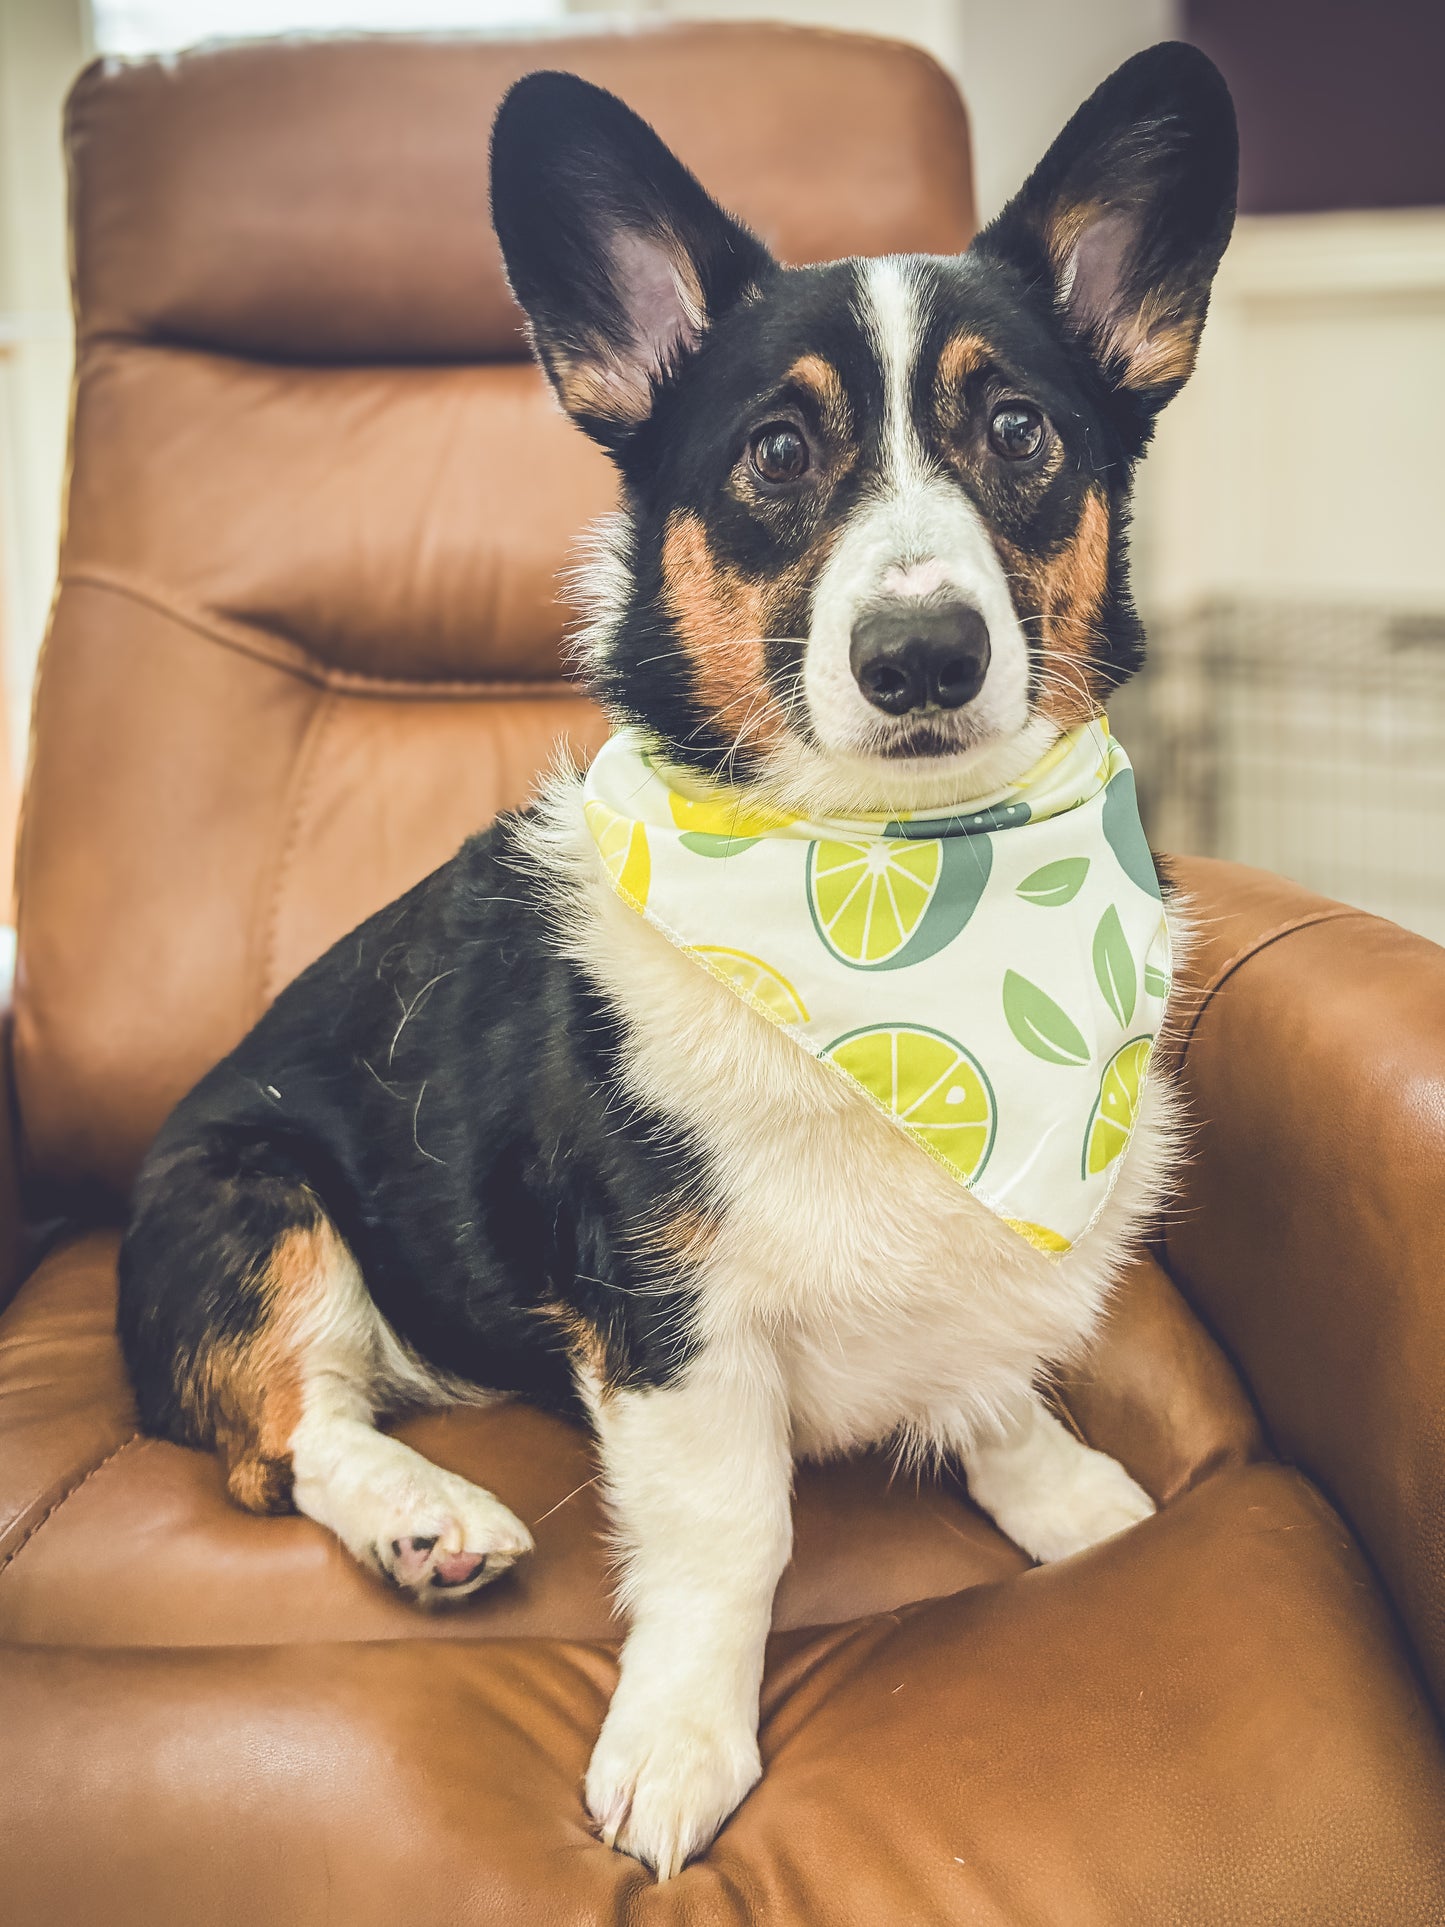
(872, 552)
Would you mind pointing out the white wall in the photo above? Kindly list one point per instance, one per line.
(934, 24)
(1302, 462)
(1025, 65)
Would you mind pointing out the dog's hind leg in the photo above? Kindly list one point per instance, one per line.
(248, 1328)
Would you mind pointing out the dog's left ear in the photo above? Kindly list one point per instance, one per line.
(1127, 215)
(619, 259)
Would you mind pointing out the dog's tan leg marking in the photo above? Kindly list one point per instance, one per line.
(291, 1406)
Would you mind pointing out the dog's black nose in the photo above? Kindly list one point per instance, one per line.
(910, 656)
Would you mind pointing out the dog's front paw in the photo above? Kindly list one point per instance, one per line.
(660, 1784)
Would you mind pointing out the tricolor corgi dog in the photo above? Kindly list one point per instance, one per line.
(778, 1089)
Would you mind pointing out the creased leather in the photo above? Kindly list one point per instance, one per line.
(1208, 1722)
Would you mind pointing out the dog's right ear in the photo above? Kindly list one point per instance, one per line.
(619, 259)
(1125, 218)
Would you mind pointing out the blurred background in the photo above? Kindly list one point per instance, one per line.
(1289, 548)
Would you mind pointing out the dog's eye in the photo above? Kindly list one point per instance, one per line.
(779, 453)
(1016, 431)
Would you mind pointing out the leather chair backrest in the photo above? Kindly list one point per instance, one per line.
(308, 629)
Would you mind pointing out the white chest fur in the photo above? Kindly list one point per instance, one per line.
(893, 1302)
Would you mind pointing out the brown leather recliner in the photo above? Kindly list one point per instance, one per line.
(307, 637)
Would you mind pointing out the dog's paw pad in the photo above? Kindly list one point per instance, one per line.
(415, 1561)
(411, 1559)
(465, 1540)
(459, 1568)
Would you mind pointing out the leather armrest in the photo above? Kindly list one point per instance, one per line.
(1311, 1231)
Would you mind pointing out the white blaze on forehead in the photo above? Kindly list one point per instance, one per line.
(918, 578)
(892, 310)
(914, 532)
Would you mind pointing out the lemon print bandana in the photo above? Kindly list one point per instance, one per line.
(993, 978)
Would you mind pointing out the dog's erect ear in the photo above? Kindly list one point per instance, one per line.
(619, 259)
(1127, 215)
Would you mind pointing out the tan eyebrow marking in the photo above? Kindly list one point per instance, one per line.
(820, 379)
(960, 357)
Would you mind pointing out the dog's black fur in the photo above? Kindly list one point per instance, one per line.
(444, 1085)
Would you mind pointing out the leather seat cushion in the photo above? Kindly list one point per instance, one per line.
(81, 1493)
(1208, 1721)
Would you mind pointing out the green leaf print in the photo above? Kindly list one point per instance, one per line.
(1039, 1024)
(708, 843)
(1114, 966)
(1156, 983)
(1057, 883)
(1125, 833)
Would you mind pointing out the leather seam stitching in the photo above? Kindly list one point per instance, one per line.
(1205, 997)
(68, 1494)
(292, 659)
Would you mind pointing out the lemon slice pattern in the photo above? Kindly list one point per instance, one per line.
(724, 815)
(1112, 1119)
(929, 1084)
(886, 904)
(761, 985)
(868, 899)
(622, 845)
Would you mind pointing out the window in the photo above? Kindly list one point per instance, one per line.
(164, 26)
